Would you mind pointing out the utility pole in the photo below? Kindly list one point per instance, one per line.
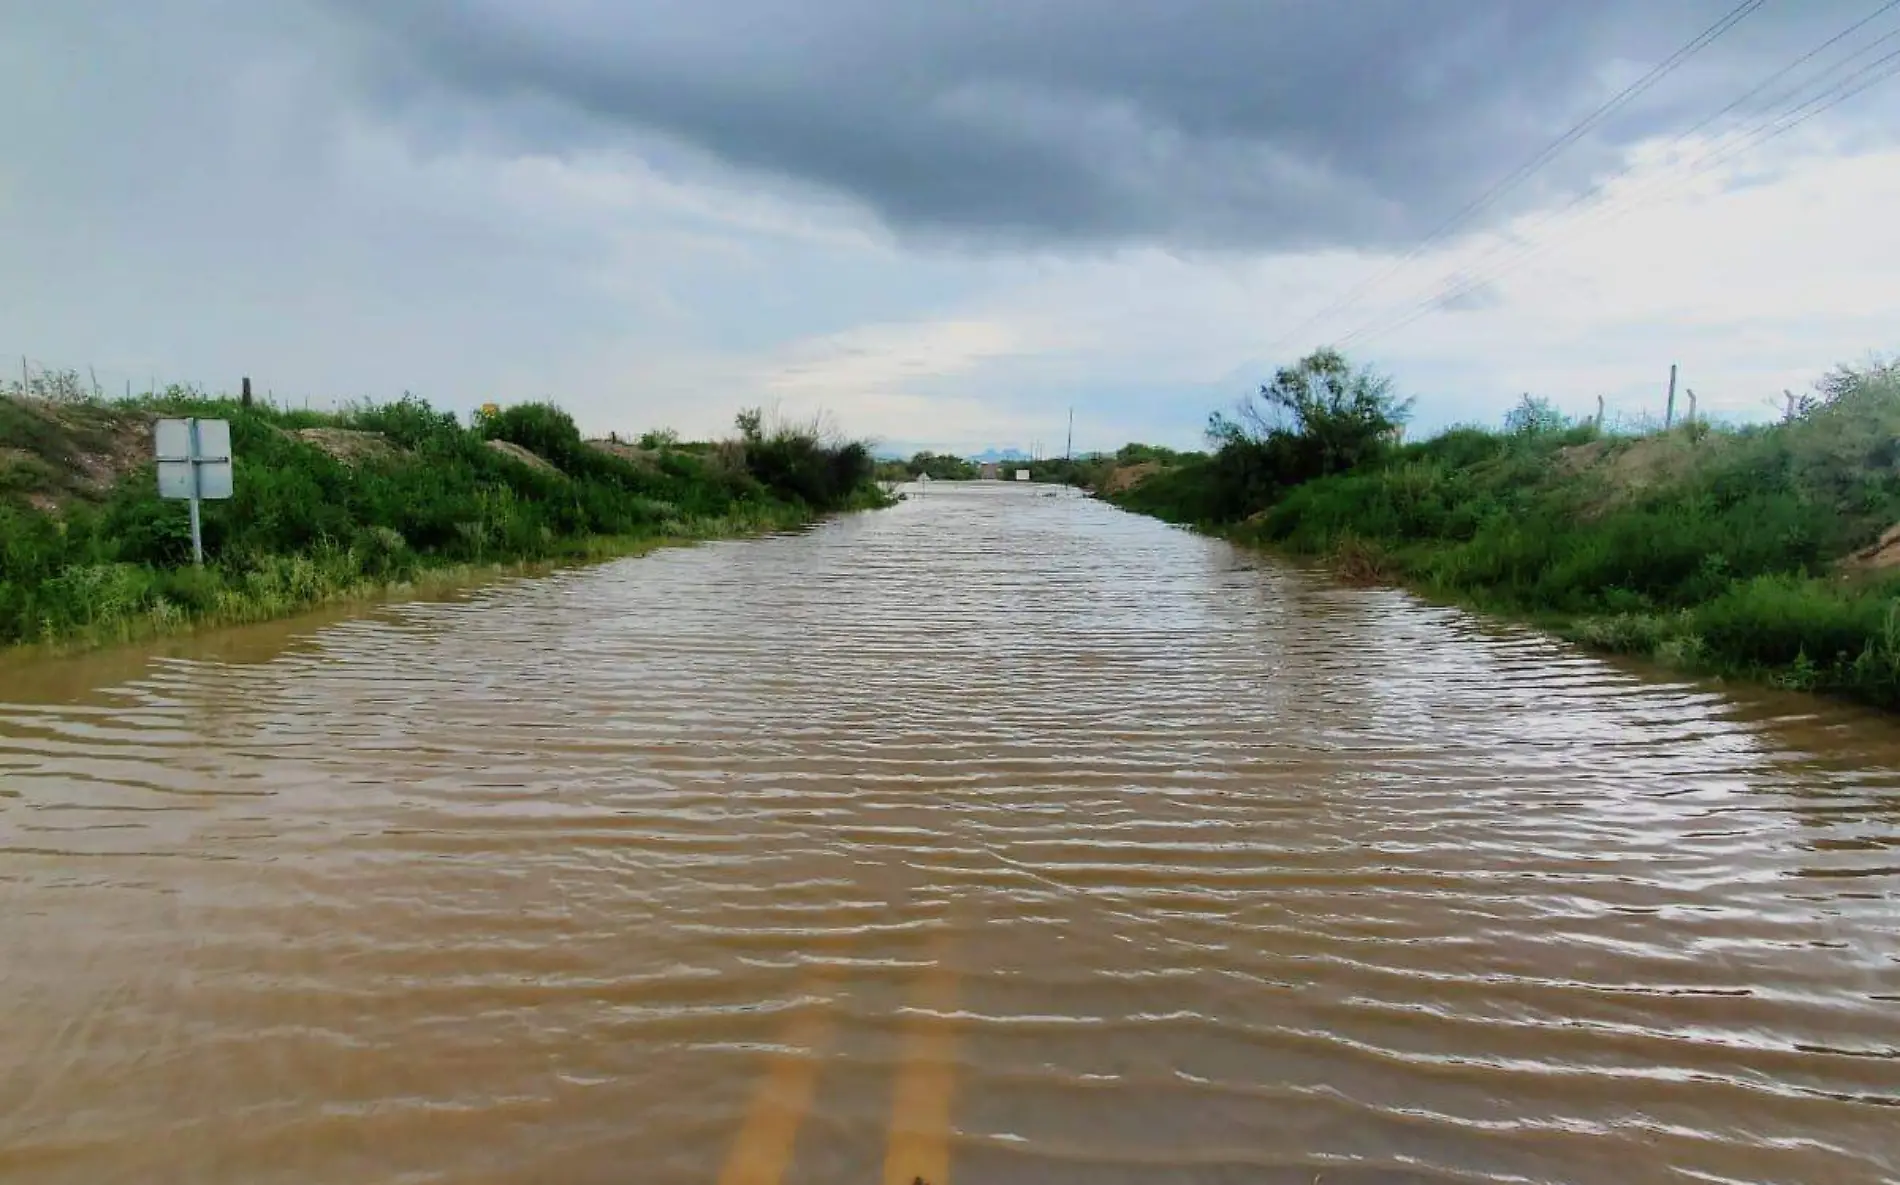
(1068, 449)
(1669, 411)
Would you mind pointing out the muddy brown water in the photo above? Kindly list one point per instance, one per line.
(998, 838)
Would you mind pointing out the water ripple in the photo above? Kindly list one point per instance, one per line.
(1239, 875)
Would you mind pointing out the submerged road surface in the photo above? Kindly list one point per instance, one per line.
(999, 838)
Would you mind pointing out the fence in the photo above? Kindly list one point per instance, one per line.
(37, 379)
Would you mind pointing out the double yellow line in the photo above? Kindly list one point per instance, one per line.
(917, 1148)
(764, 1148)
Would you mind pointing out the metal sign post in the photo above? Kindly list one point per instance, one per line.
(194, 463)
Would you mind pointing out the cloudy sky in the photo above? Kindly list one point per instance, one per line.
(947, 223)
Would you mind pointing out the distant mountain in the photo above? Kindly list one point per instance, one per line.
(893, 451)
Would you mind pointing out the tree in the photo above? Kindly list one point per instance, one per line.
(751, 425)
(942, 467)
(1319, 416)
(1534, 416)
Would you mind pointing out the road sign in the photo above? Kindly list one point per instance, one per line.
(194, 463)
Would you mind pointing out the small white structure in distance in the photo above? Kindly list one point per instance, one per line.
(1022, 475)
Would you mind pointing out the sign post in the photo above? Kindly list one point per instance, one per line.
(194, 463)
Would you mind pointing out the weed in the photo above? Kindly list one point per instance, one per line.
(1715, 548)
(303, 527)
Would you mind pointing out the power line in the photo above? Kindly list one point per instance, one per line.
(1776, 125)
(1524, 171)
(1481, 281)
(1506, 246)
(1836, 96)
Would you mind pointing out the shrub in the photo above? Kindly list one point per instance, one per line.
(302, 525)
(807, 463)
(1534, 416)
(542, 429)
(1720, 549)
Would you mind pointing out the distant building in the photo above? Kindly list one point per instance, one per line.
(990, 471)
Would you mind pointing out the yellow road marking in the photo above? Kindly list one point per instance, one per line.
(919, 1145)
(763, 1150)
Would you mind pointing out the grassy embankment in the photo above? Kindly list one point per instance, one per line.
(333, 505)
(1767, 551)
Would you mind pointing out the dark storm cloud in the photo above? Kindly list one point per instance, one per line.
(1257, 123)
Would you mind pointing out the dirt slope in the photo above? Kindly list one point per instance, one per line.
(54, 453)
(516, 453)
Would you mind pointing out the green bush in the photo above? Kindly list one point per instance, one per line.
(544, 430)
(1717, 548)
(941, 467)
(805, 463)
(302, 525)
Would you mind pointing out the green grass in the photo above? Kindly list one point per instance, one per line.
(84, 562)
(1713, 549)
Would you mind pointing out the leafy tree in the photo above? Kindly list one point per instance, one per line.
(941, 467)
(751, 424)
(1340, 414)
(1534, 416)
(1318, 417)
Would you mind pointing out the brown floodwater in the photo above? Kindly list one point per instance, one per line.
(999, 838)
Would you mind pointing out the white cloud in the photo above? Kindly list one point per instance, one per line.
(1750, 289)
(641, 285)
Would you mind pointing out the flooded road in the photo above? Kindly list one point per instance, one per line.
(998, 838)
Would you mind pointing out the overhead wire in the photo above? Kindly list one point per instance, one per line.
(1506, 246)
(1536, 162)
(1463, 282)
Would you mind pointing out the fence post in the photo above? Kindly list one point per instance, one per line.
(1669, 411)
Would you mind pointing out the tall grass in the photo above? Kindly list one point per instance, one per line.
(303, 526)
(1720, 549)
(809, 462)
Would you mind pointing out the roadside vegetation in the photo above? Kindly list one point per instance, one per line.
(1768, 551)
(935, 466)
(1087, 470)
(329, 505)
